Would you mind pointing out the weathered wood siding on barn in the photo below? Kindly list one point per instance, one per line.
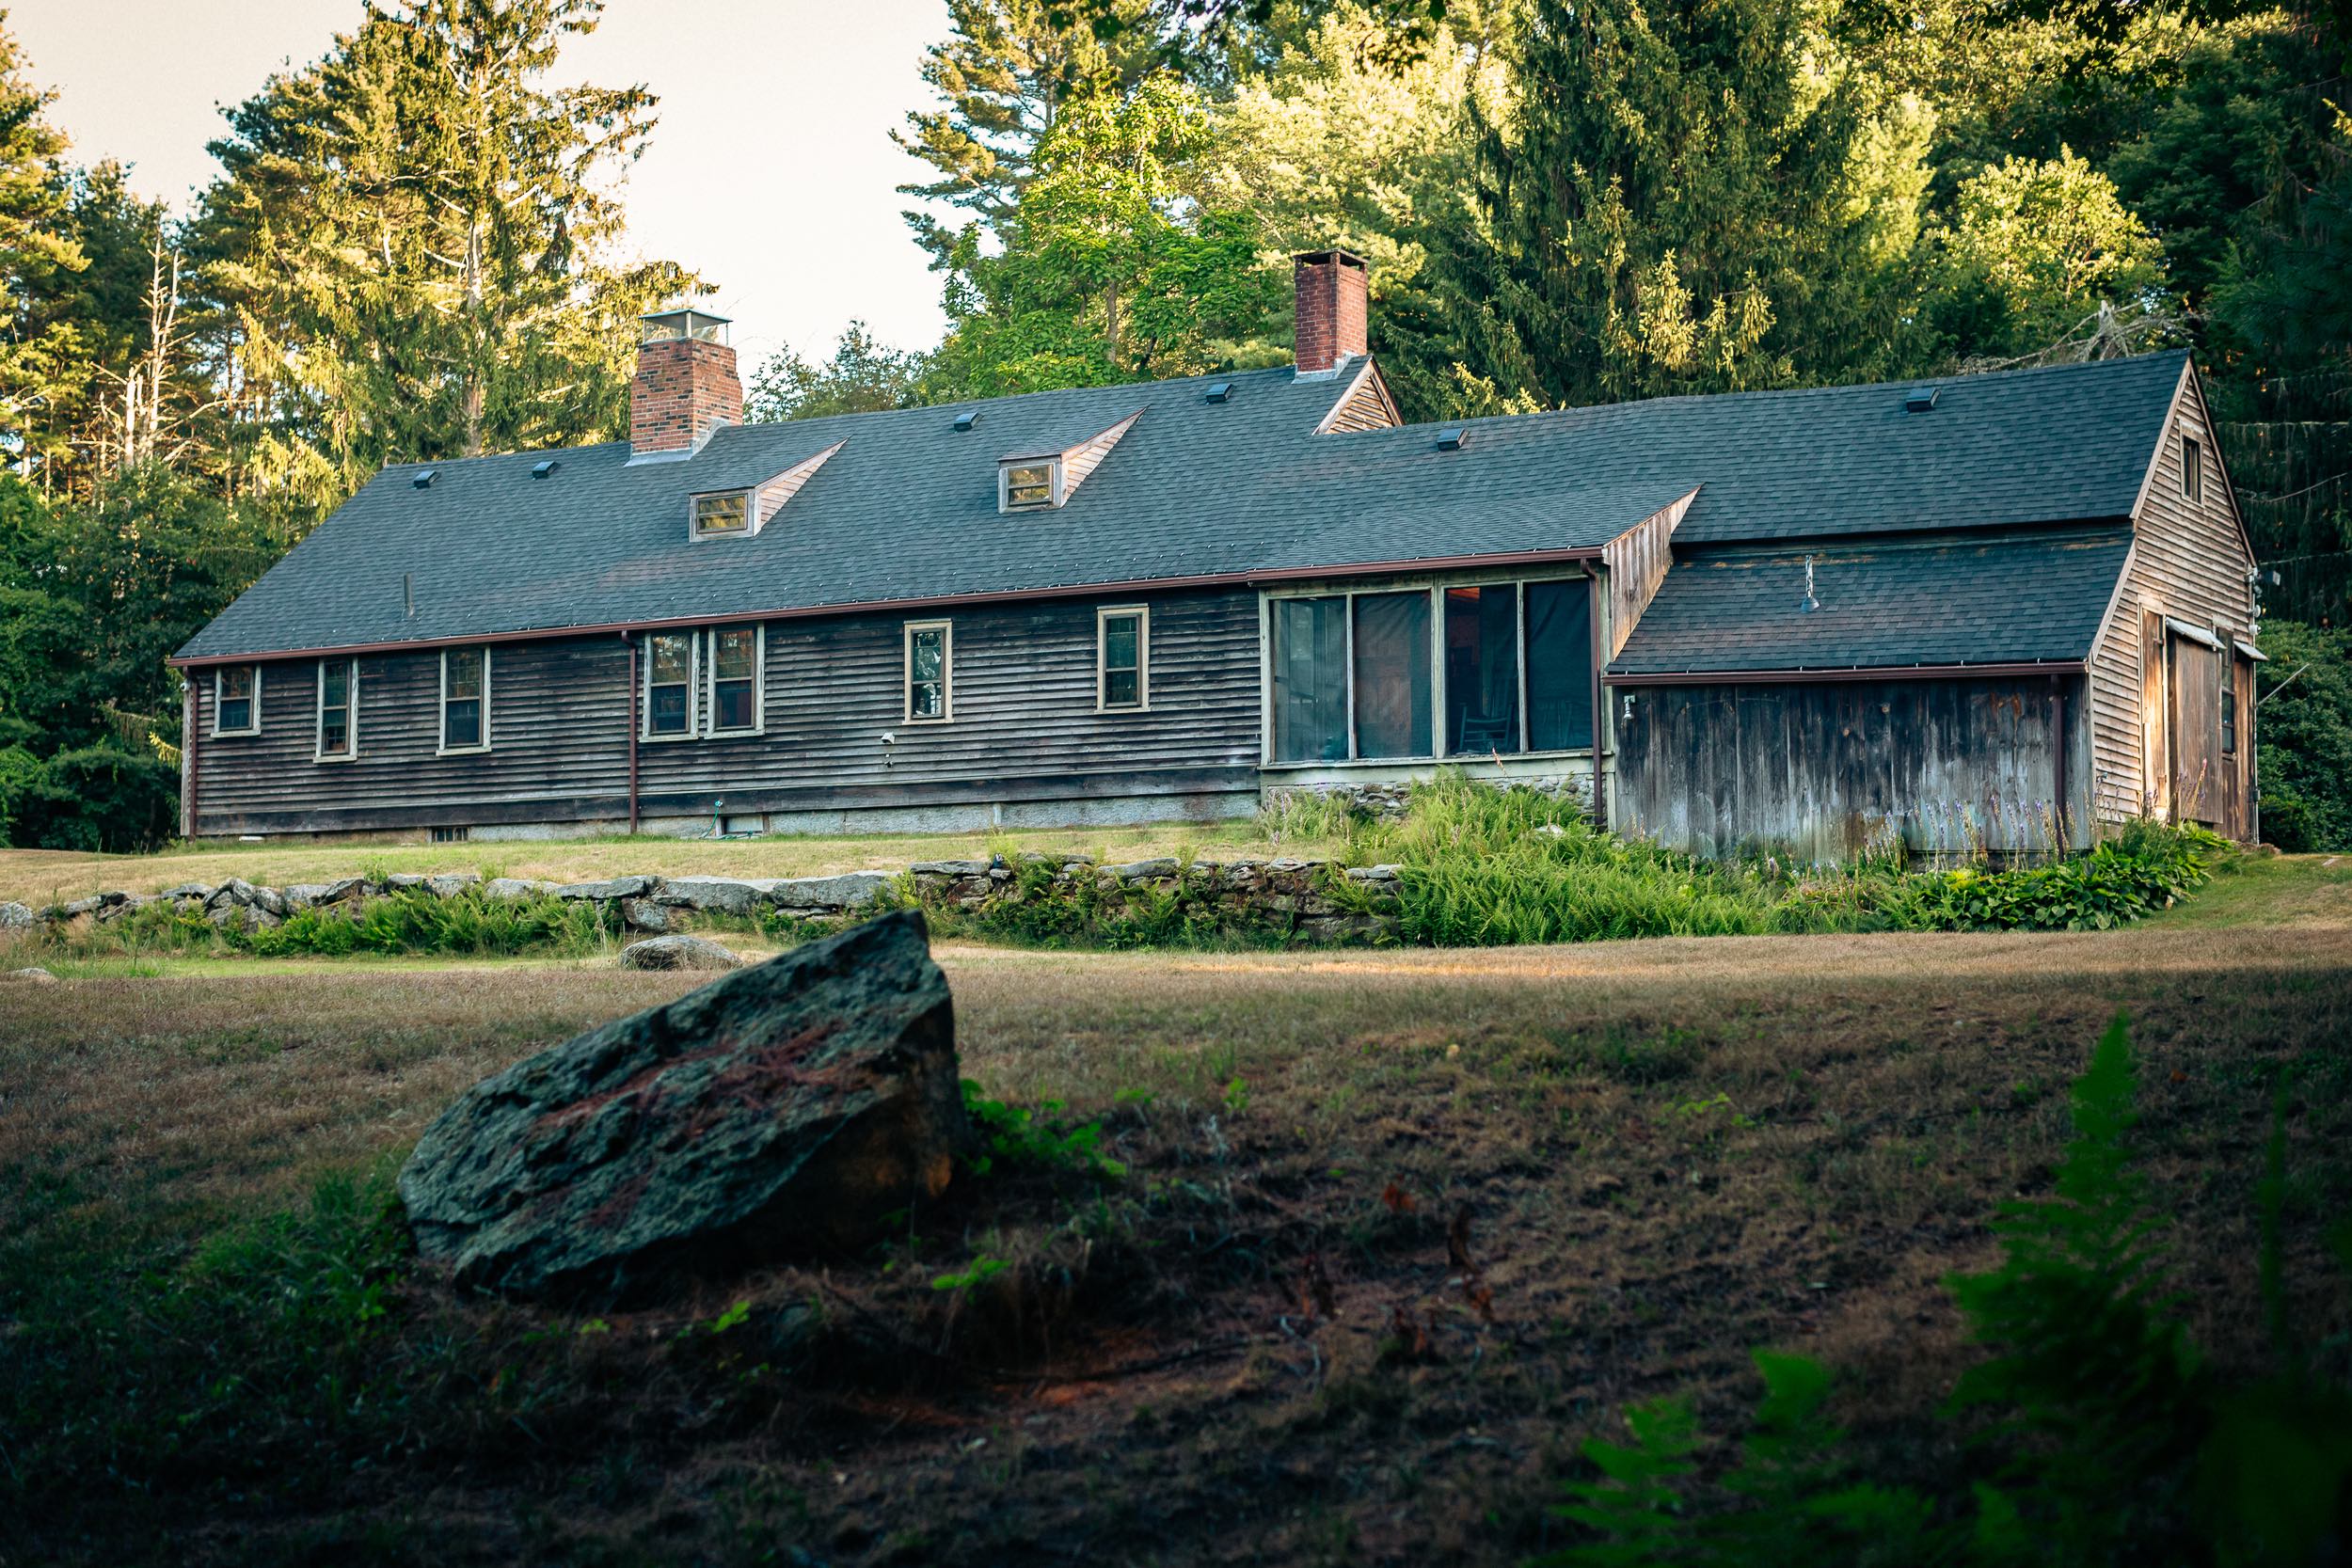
(1638, 561)
(2188, 561)
(1823, 769)
(1025, 728)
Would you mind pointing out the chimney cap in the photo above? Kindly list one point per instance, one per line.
(683, 321)
(1331, 253)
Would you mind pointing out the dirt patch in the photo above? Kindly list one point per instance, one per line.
(1397, 1232)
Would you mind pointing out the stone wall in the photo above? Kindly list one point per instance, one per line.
(1308, 900)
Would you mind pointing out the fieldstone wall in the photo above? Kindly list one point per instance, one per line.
(1387, 801)
(1295, 896)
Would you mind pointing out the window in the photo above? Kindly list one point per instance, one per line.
(1123, 659)
(929, 658)
(734, 680)
(1482, 670)
(2229, 714)
(451, 836)
(237, 700)
(465, 699)
(2192, 469)
(1392, 674)
(1496, 668)
(1024, 485)
(670, 685)
(339, 710)
(727, 514)
(1558, 666)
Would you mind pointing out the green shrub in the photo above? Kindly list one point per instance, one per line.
(2304, 740)
(2108, 1436)
(97, 797)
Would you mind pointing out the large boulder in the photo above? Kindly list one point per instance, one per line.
(785, 1107)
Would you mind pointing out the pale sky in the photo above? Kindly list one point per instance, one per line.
(772, 172)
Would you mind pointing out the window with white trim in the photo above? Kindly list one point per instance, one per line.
(1030, 484)
(337, 738)
(465, 699)
(729, 512)
(237, 699)
(670, 661)
(1468, 670)
(734, 703)
(2192, 469)
(1123, 659)
(929, 672)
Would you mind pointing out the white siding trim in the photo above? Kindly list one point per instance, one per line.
(947, 670)
(254, 710)
(444, 748)
(1102, 615)
(351, 713)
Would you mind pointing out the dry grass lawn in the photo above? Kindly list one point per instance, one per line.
(1668, 1152)
(39, 877)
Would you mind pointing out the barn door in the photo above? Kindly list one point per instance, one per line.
(2202, 774)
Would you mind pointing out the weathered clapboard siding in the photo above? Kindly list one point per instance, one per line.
(1817, 768)
(2188, 561)
(558, 730)
(1025, 727)
(1367, 405)
(1638, 561)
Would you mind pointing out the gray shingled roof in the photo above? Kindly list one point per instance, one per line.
(906, 510)
(1977, 598)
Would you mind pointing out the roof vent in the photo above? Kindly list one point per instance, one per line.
(1452, 437)
(1221, 392)
(544, 467)
(968, 419)
(425, 481)
(1920, 400)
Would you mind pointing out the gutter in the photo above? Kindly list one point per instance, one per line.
(1847, 672)
(871, 607)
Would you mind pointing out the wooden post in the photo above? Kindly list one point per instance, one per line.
(631, 706)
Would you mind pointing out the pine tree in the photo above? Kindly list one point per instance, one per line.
(1688, 199)
(415, 245)
(1003, 75)
(41, 372)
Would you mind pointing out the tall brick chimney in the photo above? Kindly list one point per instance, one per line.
(1334, 309)
(686, 384)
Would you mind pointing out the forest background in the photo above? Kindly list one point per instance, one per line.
(417, 247)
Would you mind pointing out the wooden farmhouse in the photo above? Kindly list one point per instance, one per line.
(1990, 611)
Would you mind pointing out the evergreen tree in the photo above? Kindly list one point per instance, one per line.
(1003, 75)
(1687, 199)
(1107, 273)
(41, 371)
(862, 377)
(415, 245)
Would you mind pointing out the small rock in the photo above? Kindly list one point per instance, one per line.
(1373, 873)
(612, 887)
(34, 974)
(951, 869)
(15, 916)
(639, 915)
(408, 882)
(849, 891)
(198, 891)
(75, 908)
(805, 1100)
(678, 952)
(511, 888)
(449, 884)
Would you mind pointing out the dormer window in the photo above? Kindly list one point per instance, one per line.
(729, 512)
(1027, 485)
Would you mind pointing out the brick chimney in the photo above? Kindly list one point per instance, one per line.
(1334, 309)
(686, 384)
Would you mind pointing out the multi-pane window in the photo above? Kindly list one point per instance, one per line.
(727, 514)
(2229, 714)
(1028, 484)
(1492, 669)
(2192, 469)
(670, 682)
(339, 707)
(1122, 654)
(237, 699)
(929, 656)
(465, 699)
(734, 679)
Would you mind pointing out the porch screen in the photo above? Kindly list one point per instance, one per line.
(1558, 666)
(1393, 675)
(1309, 679)
(1482, 670)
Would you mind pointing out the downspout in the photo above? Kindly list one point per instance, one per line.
(2062, 741)
(1600, 694)
(632, 709)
